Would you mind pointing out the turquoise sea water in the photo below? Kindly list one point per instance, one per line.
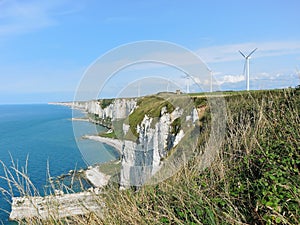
(45, 133)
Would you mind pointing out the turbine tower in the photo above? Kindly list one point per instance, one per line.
(139, 89)
(247, 66)
(211, 80)
(168, 85)
(187, 83)
(298, 73)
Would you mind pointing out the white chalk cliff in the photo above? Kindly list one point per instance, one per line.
(141, 158)
(118, 109)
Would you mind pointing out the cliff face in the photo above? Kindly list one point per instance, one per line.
(114, 110)
(141, 159)
(156, 136)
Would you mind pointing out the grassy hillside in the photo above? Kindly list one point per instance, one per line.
(255, 179)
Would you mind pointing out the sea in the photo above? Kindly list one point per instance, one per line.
(40, 138)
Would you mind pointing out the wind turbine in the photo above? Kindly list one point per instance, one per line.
(139, 89)
(247, 66)
(168, 84)
(187, 83)
(298, 73)
(211, 80)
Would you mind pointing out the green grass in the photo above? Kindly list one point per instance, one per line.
(230, 93)
(108, 135)
(150, 106)
(110, 168)
(105, 102)
(117, 126)
(254, 180)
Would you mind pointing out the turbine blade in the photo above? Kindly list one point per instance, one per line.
(242, 54)
(251, 53)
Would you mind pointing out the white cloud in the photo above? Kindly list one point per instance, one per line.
(222, 53)
(225, 53)
(231, 79)
(234, 79)
(25, 16)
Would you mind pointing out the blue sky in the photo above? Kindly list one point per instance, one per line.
(45, 46)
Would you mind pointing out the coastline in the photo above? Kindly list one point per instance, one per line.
(68, 104)
(80, 119)
(92, 173)
(115, 143)
(59, 204)
(97, 178)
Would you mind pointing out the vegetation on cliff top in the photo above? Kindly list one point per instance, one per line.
(105, 102)
(150, 106)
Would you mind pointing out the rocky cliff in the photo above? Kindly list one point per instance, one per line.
(107, 110)
(151, 127)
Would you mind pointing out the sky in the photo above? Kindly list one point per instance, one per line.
(47, 46)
